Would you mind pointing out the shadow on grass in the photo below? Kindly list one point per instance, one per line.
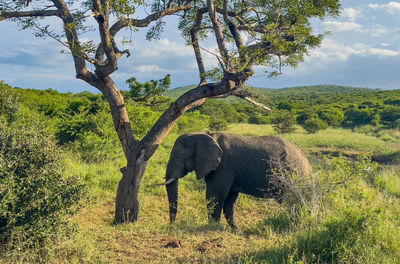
(275, 256)
(194, 227)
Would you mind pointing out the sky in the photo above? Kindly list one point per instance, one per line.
(363, 50)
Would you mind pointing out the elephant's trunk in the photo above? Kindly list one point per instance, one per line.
(172, 191)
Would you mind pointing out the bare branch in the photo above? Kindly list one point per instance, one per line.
(190, 99)
(129, 22)
(33, 13)
(247, 96)
(196, 47)
(218, 31)
(126, 22)
(73, 42)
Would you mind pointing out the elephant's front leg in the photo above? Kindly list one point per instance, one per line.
(214, 205)
(229, 205)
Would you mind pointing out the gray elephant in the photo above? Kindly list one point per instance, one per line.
(232, 164)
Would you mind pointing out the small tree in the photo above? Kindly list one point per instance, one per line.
(278, 33)
(148, 90)
(314, 125)
(284, 122)
(218, 124)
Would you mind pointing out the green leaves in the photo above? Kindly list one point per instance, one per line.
(36, 199)
(148, 90)
(275, 33)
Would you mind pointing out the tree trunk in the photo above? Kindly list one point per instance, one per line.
(127, 201)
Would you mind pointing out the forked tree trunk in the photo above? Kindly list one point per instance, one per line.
(127, 201)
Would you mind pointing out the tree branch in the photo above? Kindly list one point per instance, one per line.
(188, 100)
(73, 43)
(145, 22)
(33, 13)
(130, 22)
(252, 101)
(218, 31)
(196, 47)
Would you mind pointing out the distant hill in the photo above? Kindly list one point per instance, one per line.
(291, 91)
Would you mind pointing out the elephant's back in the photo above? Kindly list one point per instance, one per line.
(277, 150)
(289, 153)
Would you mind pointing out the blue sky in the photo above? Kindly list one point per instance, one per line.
(363, 50)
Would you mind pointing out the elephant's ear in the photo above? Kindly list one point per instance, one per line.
(207, 157)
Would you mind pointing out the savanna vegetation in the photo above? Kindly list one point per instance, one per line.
(248, 33)
(59, 160)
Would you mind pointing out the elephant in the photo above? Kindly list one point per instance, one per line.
(231, 164)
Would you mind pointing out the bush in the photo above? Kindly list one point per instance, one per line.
(284, 122)
(218, 124)
(339, 217)
(36, 200)
(258, 119)
(314, 125)
(72, 126)
(142, 119)
(9, 103)
(193, 121)
(101, 141)
(332, 116)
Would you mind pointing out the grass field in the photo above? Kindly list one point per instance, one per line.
(359, 222)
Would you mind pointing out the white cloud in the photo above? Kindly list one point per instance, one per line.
(382, 53)
(149, 68)
(332, 51)
(378, 31)
(336, 26)
(392, 8)
(351, 13)
(385, 44)
(162, 48)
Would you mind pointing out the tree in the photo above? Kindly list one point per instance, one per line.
(284, 122)
(278, 33)
(314, 125)
(146, 91)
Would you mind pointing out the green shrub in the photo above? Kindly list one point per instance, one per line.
(72, 126)
(283, 122)
(314, 125)
(100, 142)
(332, 116)
(193, 121)
(390, 116)
(142, 119)
(358, 117)
(9, 103)
(218, 124)
(36, 199)
(338, 216)
(258, 119)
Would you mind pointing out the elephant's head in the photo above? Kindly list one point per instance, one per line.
(199, 152)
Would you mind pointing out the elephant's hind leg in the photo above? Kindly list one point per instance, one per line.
(229, 205)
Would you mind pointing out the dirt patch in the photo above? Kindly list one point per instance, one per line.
(174, 244)
(209, 245)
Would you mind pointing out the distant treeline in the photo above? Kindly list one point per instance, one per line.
(83, 120)
(326, 105)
